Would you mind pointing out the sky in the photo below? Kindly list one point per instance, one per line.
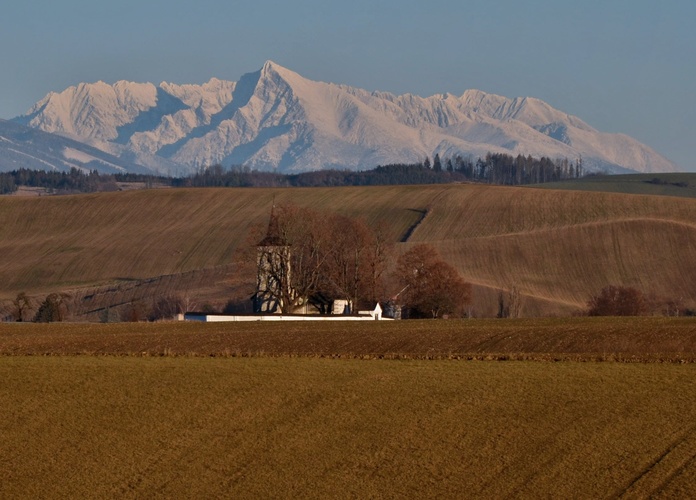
(624, 66)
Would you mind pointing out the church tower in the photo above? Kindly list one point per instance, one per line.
(273, 270)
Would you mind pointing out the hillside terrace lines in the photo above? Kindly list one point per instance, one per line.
(475, 211)
(526, 294)
(575, 262)
(542, 231)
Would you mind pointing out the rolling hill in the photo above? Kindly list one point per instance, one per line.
(556, 247)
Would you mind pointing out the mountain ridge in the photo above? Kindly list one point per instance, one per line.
(24, 147)
(275, 119)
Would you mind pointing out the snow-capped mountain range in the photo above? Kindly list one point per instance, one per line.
(24, 147)
(274, 119)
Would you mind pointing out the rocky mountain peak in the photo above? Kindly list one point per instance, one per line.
(275, 119)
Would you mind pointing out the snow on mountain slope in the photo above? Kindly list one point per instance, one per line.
(276, 119)
(24, 147)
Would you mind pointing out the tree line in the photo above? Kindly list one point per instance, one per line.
(308, 258)
(494, 168)
(74, 181)
(60, 306)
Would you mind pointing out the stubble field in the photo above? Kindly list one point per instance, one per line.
(311, 411)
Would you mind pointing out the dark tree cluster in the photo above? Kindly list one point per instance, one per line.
(417, 173)
(618, 301)
(7, 184)
(52, 309)
(508, 170)
(492, 169)
(235, 176)
(74, 181)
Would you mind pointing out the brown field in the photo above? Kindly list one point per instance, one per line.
(250, 410)
(619, 339)
(259, 410)
(557, 247)
(682, 184)
(126, 427)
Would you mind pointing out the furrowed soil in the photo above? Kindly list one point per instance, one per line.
(625, 339)
(172, 427)
(259, 410)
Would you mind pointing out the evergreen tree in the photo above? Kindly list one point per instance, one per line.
(437, 163)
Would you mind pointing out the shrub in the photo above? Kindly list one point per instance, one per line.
(51, 309)
(136, 311)
(618, 301)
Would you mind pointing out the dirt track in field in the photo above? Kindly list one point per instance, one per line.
(581, 339)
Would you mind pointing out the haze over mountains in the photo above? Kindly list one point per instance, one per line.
(274, 119)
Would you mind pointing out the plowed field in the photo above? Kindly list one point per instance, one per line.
(627, 339)
(126, 427)
(251, 411)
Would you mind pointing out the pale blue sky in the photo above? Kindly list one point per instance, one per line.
(620, 65)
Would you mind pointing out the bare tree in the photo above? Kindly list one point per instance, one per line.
(22, 306)
(513, 308)
(515, 302)
(306, 254)
(379, 253)
(291, 257)
(168, 307)
(357, 260)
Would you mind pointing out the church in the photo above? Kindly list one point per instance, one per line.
(275, 298)
(274, 291)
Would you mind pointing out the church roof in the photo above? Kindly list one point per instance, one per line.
(273, 237)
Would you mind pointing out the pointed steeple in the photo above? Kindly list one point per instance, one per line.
(273, 237)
